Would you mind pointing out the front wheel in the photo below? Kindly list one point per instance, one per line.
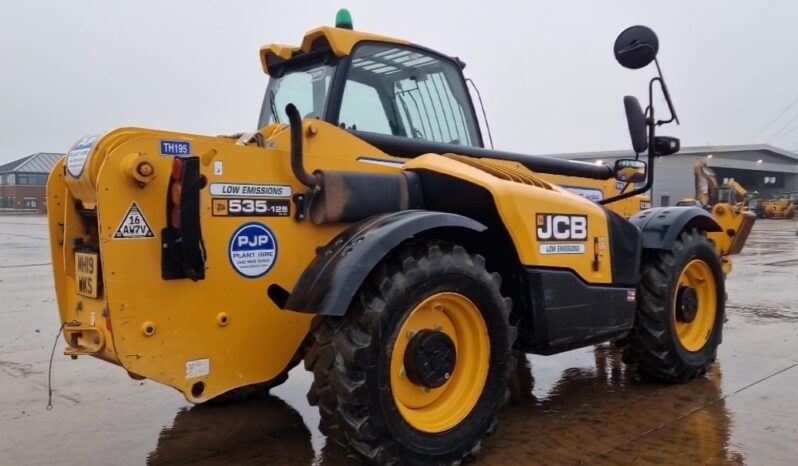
(680, 311)
(417, 370)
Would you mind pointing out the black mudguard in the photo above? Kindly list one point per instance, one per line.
(662, 225)
(329, 283)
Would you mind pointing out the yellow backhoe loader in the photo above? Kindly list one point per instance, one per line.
(365, 229)
(708, 192)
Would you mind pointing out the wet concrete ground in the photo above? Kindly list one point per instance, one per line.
(574, 408)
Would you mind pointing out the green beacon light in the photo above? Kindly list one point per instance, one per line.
(343, 19)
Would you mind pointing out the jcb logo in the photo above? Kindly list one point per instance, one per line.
(561, 227)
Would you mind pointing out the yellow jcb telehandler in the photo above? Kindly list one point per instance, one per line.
(365, 229)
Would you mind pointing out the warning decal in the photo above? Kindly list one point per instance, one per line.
(198, 368)
(134, 225)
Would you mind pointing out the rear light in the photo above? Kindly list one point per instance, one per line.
(176, 192)
(183, 254)
(174, 217)
(178, 169)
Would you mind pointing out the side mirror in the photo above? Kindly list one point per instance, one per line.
(636, 47)
(630, 170)
(666, 145)
(637, 124)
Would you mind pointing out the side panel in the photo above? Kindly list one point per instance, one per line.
(56, 212)
(546, 225)
(626, 249)
(568, 314)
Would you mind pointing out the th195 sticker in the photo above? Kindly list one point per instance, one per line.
(174, 147)
(253, 250)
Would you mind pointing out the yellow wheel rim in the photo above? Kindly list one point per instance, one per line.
(693, 335)
(436, 410)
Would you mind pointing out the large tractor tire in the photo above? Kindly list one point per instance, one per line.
(680, 311)
(417, 369)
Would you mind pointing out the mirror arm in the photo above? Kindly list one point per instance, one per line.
(665, 93)
(652, 124)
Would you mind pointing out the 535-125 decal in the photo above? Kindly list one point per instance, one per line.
(246, 207)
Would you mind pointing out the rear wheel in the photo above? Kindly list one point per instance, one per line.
(680, 311)
(417, 369)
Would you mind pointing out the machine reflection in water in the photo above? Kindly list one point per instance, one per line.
(596, 413)
(605, 415)
(260, 431)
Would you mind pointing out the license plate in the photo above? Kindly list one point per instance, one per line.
(86, 279)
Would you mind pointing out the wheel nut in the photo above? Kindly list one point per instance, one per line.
(411, 334)
(447, 375)
(439, 328)
(402, 373)
(425, 389)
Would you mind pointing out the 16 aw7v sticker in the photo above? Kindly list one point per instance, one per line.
(134, 225)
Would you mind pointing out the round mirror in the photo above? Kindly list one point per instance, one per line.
(636, 47)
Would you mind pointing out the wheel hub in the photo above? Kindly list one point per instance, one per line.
(686, 304)
(430, 358)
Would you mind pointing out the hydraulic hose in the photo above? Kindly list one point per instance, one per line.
(295, 121)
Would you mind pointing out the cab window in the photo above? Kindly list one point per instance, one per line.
(406, 92)
(306, 86)
(362, 108)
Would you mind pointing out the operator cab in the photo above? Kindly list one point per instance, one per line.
(379, 86)
(408, 100)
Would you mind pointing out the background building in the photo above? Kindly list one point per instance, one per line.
(23, 182)
(762, 168)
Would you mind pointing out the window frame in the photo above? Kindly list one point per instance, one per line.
(338, 84)
(323, 57)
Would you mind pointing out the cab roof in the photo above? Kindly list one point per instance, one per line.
(339, 41)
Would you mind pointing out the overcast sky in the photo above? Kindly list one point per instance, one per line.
(545, 68)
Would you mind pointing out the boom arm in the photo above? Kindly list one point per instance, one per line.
(738, 189)
(706, 183)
